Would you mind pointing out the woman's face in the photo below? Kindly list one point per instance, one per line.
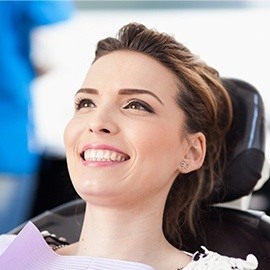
(126, 139)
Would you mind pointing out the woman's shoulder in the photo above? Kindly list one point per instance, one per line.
(210, 260)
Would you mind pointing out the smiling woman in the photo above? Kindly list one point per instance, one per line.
(145, 150)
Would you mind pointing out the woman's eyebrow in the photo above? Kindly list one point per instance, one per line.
(132, 91)
(87, 91)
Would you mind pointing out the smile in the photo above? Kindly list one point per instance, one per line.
(103, 155)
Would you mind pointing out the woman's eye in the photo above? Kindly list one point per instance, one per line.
(84, 103)
(139, 105)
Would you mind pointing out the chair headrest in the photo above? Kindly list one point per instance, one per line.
(245, 142)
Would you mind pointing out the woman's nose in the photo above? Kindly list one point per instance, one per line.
(102, 124)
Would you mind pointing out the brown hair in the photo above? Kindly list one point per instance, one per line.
(207, 107)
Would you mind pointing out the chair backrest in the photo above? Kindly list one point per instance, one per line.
(245, 142)
(228, 231)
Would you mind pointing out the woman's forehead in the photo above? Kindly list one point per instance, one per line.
(133, 69)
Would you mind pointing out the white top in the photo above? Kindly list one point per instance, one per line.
(29, 251)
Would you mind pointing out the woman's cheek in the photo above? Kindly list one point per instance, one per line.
(71, 132)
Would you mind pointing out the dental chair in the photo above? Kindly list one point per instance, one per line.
(227, 230)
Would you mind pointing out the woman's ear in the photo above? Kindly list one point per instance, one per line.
(195, 155)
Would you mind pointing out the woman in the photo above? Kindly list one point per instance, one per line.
(146, 138)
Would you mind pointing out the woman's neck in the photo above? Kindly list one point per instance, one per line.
(132, 235)
(120, 233)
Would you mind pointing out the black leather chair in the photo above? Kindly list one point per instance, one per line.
(232, 232)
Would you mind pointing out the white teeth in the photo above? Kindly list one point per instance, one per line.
(99, 155)
(103, 155)
(113, 156)
(106, 155)
(92, 154)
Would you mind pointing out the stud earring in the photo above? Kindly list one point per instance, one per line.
(184, 165)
